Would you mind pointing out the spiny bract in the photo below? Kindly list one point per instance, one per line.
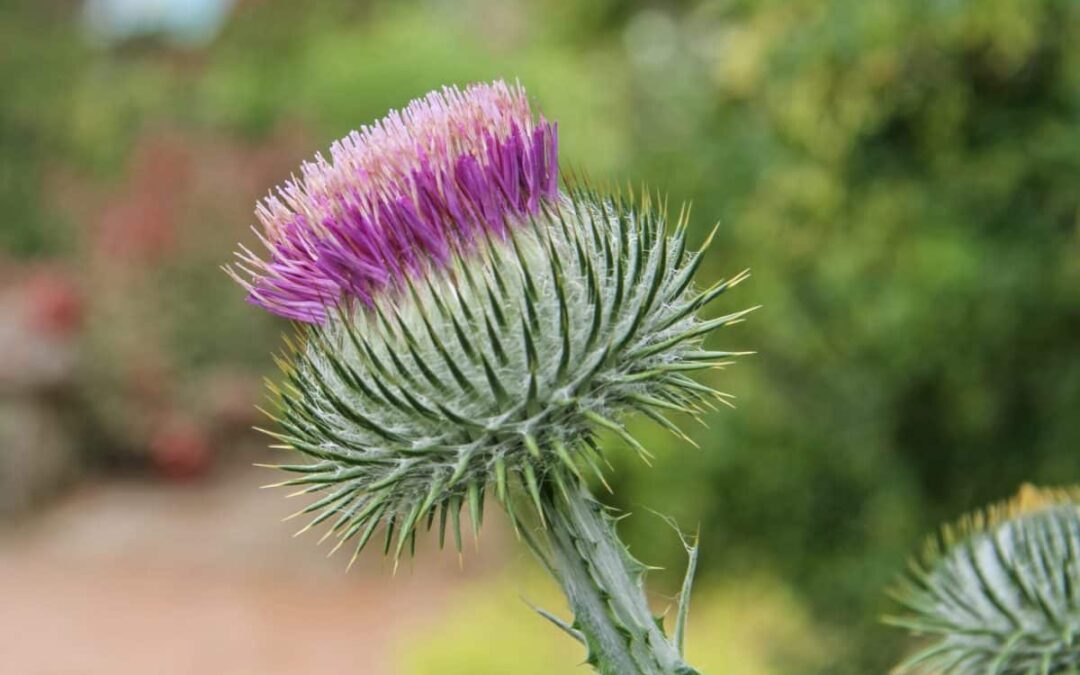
(499, 368)
(1000, 591)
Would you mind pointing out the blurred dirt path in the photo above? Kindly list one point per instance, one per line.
(131, 577)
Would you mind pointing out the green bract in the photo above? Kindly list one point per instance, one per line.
(497, 372)
(1000, 592)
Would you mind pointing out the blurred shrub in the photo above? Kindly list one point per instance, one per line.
(902, 179)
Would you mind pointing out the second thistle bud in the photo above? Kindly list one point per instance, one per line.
(998, 591)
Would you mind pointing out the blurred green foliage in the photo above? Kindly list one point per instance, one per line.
(903, 179)
(32, 125)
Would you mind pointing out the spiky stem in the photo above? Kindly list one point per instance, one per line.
(604, 586)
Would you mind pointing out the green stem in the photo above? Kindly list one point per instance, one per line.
(604, 586)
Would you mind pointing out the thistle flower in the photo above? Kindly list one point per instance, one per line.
(1000, 590)
(399, 196)
(471, 328)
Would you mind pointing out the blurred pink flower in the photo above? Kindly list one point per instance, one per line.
(181, 449)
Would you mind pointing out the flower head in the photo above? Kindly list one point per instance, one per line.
(399, 196)
(998, 590)
(498, 325)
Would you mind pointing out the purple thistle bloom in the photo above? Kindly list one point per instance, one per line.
(400, 196)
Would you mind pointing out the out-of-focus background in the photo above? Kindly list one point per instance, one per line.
(902, 178)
